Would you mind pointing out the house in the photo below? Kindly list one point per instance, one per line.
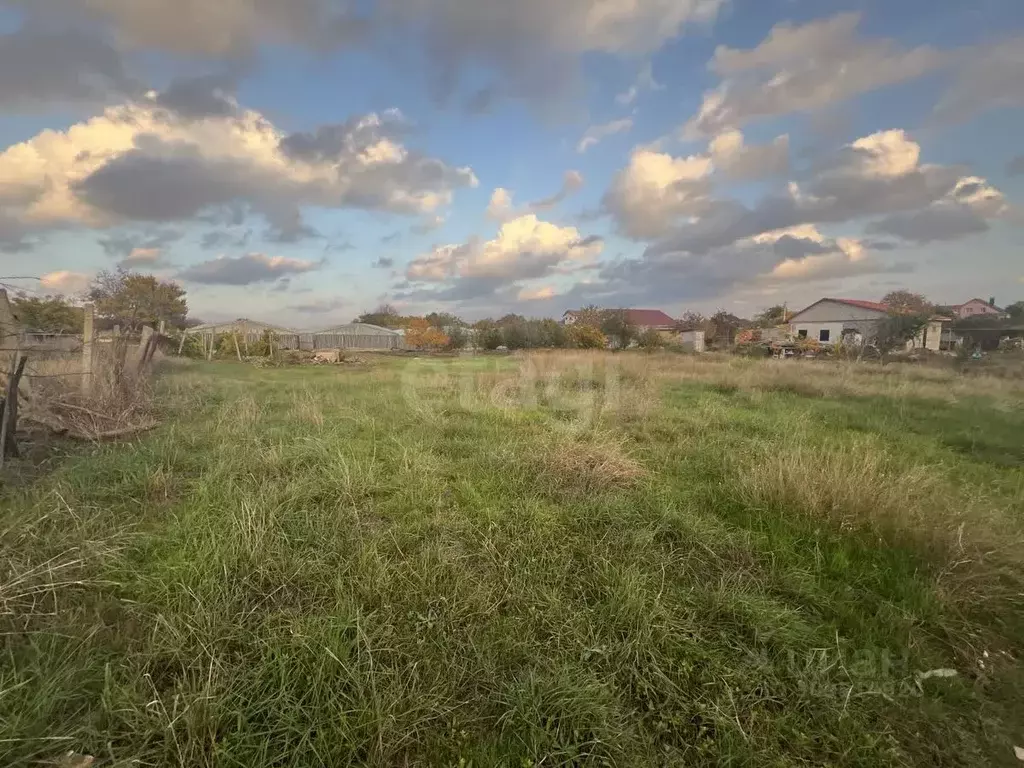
(977, 308)
(830, 320)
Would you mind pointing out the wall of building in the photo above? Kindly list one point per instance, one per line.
(834, 311)
(975, 308)
(692, 340)
(813, 331)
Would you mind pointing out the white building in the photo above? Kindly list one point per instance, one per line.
(829, 320)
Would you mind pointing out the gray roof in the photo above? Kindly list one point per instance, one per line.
(358, 329)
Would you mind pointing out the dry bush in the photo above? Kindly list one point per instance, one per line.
(597, 462)
(119, 400)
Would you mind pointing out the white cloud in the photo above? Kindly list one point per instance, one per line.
(142, 257)
(139, 162)
(536, 294)
(804, 68)
(525, 248)
(596, 133)
(501, 207)
(65, 282)
(655, 190)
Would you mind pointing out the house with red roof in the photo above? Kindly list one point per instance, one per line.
(829, 320)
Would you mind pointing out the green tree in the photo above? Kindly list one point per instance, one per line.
(650, 340)
(444, 320)
(907, 303)
(48, 314)
(457, 338)
(771, 317)
(585, 336)
(616, 325)
(691, 321)
(488, 334)
(897, 329)
(385, 315)
(550, 334)
(1015, 310)
(133, 300)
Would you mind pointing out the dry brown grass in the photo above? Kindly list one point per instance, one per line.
(637, 371)
(579, 465)
(118, 401)
(859, 486)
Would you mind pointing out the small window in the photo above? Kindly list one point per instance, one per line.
(802, 333)
(824, 335)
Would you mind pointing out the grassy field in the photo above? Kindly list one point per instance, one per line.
(551, 560)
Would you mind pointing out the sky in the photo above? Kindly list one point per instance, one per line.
(303, 161)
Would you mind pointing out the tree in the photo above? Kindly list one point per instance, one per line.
(897, 329)
(771, 317)
(385, 315)
(457, 338)
(907, 303)
(650, 340)
(488, 334)
(724, 325)
(549, 333)
(585, 337)
(47, 314)
(691, 321)
(514, 332)
(616, 325)
(591, 315)
(421, 335)
(1015, 310)
(133, 300)
(445, 320)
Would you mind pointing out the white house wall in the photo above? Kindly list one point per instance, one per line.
(834, 311)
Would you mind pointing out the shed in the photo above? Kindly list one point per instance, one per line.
(357, 336)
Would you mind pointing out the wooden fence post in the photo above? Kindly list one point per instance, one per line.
(88, 339)
(238, 352)
(181, 346)
(9, 410)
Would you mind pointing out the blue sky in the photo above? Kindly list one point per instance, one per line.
(301, 162)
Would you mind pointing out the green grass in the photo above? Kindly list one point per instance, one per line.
(443, 563)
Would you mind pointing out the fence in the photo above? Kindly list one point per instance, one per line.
(308, 342)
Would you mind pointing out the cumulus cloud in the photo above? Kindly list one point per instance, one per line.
(502, 208)
(532, 47)
(537, 294)
(246, 270)
(596, 133)
(739, 162)
(140, 162)
(65, 282)
(38, 68)
(804, 68)
(877, 175)
(655, 190)
(525, 248)
(966, 210)
(199, 97)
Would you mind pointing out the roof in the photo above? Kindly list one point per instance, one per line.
(980, 301)
(358, 329)
(874, 306)
(649, 317)
(241, 322)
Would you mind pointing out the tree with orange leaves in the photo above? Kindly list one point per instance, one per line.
(422, 335)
